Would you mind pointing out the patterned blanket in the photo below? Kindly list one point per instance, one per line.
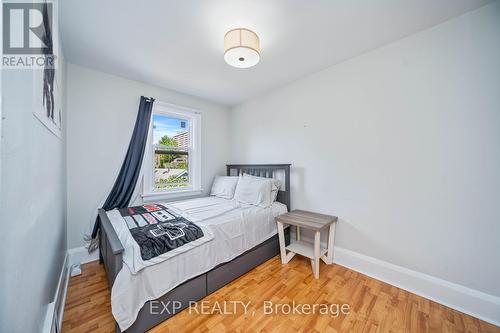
(157, 229)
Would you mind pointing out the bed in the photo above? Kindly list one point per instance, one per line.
(250, 241)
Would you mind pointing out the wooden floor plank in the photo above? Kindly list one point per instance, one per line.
(374, 305)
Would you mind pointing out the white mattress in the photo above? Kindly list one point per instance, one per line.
(235, 231)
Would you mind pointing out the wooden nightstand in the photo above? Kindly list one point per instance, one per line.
(313, 221)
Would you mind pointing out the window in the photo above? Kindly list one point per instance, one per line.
(173, 152)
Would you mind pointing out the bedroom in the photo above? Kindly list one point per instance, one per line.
(345, 180)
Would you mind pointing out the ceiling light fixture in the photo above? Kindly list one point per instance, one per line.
(241, 48)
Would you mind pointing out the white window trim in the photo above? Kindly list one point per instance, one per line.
(194, 117)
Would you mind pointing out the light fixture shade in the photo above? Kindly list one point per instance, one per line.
(241, 48)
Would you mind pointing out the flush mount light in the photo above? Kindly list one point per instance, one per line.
(241, 48)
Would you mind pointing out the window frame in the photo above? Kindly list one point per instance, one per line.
(149, 192)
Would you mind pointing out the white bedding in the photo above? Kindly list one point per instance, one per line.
(235, 227)
(194, 211)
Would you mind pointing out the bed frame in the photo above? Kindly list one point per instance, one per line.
(111, 249)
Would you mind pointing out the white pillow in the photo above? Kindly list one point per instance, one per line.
(275, 185)
(253, 191)
(224, 186)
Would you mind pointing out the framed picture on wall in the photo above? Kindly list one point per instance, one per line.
(47, 80)
(48, 102)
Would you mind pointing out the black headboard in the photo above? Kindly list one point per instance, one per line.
(268, 171)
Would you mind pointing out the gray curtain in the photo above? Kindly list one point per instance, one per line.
(125, 183)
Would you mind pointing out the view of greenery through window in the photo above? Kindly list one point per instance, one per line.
(171, 139)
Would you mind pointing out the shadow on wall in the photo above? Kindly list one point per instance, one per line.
(299, 201)
(357, 236)
(348, 235)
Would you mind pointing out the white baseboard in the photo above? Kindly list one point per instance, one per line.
(55, 309)
(470, 301)
(80, 255)
(48, 323)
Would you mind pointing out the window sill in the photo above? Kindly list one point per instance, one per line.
(155, 196)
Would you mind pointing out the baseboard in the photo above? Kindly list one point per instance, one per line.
(55, 309)
(470, 301)
(80, 255)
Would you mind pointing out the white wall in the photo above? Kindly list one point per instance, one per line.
(102, 112)
(402, 143)
(32, 207)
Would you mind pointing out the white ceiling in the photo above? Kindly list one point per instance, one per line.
(178, 44)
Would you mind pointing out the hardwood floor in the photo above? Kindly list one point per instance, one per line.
(374, 306)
